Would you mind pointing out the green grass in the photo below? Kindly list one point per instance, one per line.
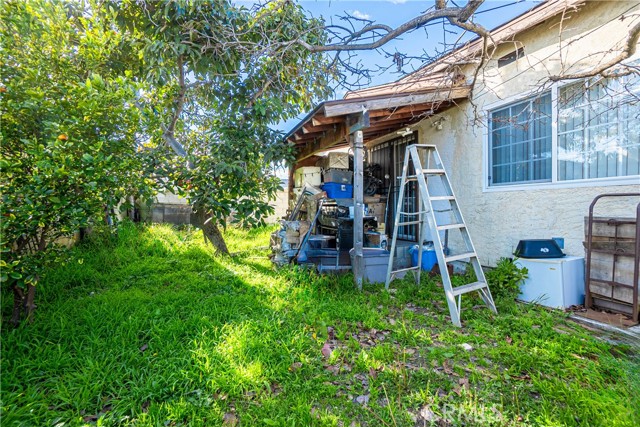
(150, 329)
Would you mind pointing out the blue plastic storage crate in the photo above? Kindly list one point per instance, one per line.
(335, 190)
(429, 258)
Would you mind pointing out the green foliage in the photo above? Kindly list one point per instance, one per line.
(221, 76)
(505, 279)
(69, 128)
(151, 330)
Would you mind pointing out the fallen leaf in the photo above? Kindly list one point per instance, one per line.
(363, 399)
(90, 418)
(447, 368)
(334, 369)
(276, 389)
(373, 373)
(464, 382)
(466, 346)
(230, 419)
(326, 350)
(295, 366)
(392, 322)
(144, 347)
(426, 414)
(330, 332)
(523, 377)
(508, 339)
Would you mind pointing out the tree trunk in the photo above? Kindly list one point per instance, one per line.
(18, 305)
(211, 232)
(29, 303)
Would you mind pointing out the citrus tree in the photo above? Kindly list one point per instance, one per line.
(69, 134)
(222, 76)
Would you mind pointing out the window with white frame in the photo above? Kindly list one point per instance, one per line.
(597, 136)
(520, 142)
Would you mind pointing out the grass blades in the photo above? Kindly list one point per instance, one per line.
(148, 328)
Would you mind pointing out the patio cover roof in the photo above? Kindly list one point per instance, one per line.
(327, 125)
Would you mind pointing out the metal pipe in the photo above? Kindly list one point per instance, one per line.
(358, 209)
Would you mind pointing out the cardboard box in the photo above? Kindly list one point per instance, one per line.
(377, 210)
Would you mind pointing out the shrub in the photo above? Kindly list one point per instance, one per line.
(505, 279)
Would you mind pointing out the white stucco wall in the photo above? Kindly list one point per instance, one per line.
(498, 219)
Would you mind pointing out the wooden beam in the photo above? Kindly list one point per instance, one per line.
(409, 109)
(357, 105)
(308, 128)
(330, 139)
(394, 119)
(322, 120)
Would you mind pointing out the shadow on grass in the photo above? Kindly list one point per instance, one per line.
(151, 329)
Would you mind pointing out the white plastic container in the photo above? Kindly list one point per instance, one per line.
(308, 174)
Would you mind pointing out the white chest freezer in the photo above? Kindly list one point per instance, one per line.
(553, 282)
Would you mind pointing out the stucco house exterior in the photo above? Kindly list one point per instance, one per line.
(526, 150)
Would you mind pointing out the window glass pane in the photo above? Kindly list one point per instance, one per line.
(500, 174)
(520, 142)
(597, 124)
(501, 155)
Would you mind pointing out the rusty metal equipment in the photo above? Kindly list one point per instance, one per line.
(617, 250)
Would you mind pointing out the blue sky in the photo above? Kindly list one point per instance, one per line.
(427, 40)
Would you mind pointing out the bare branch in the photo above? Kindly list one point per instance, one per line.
(447, 12)
(628, 51)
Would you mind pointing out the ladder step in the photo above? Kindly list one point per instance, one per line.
(404, 269)
(469, 288)
(400, 224)
(443, 198)
(413, 213)
(433, 171)
(460, 256)
(450, 226)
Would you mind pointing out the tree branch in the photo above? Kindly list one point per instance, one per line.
(447, 12)
(169, 131)
(628, 51)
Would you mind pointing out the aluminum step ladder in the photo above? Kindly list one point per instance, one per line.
(426, 166)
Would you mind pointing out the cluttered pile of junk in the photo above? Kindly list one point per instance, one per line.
(319, 228)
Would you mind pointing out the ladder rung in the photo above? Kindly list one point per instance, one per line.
(433, 171)
(460, 256)
(469, 288)
(401, 224)
(414, 213)
(450, 226)
(404, 269)
(443, 198)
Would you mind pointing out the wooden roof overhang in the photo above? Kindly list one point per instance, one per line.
(327, 126)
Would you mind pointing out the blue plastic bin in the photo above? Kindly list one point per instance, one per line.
(429, 258)
(336, 190)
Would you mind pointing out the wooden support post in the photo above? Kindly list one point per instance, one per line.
(358, 211)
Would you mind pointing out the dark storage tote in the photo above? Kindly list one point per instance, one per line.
(538, 248)
(339, 176)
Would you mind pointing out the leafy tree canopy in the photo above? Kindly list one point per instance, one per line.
(103, 100)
